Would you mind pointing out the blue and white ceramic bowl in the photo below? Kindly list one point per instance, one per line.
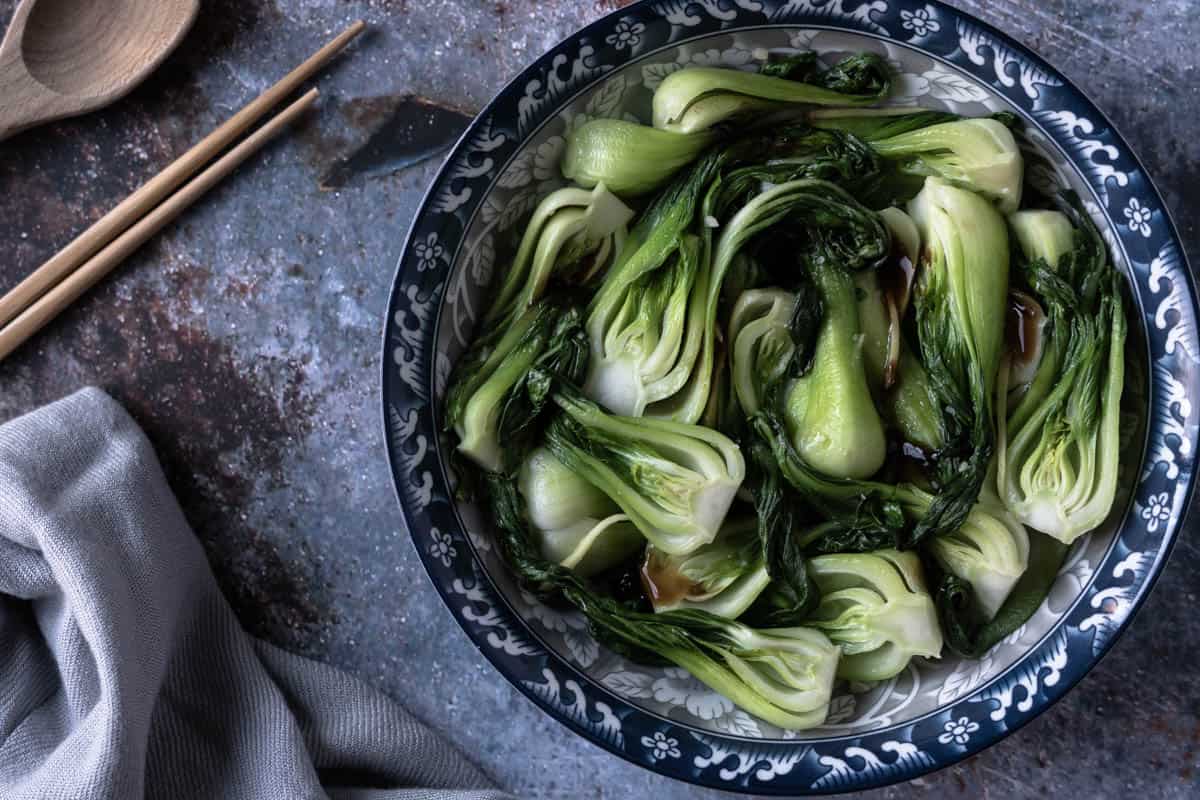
(937, 712)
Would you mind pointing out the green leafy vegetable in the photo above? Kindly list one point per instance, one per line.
(831, 417)
(814, 317)
(628, 158)
(647, 336)
(578, 526)
(487, 377)
(674, 481)
(969, 630)
(571, 230)
(783, 675)
(875, 605)
(990, 551)
(649, 320)
(961, 299)
(762, 346)
(976, 154)
(685, 99)
(723, 577)
(877, 124)
(1059, 445)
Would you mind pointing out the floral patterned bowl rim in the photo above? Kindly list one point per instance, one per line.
(1165, 308)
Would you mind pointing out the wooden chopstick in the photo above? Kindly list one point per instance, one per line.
(50, 304)
(153, 191)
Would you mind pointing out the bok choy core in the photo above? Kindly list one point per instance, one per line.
(793, 420)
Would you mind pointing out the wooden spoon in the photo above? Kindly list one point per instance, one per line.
(61, 58)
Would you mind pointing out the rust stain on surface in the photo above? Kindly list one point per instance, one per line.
(221, 427)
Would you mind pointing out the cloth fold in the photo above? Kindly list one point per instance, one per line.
(124, 672)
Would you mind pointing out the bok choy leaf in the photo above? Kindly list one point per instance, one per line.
(961, 300)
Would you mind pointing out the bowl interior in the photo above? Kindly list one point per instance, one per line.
(926, 685)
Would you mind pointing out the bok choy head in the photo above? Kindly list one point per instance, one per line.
(674, 481)
(760, 339)
(628, 158)
(650, 321)
(489, 382)
(961, 299)
(990, 550)
(977, 154)
(572, 232)
(784, 675)
(829, 413)
(802, 444)
(875, 605)
(1059, 443)
(698, 98)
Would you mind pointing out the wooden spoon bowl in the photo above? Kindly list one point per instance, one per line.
(61, 58)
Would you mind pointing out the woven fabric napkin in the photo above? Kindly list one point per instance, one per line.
(123, 671)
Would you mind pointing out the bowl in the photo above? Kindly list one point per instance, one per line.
(936, 712)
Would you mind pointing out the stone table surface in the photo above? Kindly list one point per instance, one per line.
(246, 340)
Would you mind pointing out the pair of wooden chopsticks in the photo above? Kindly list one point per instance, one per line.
(81, 264)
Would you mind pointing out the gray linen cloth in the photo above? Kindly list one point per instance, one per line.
(123, 671)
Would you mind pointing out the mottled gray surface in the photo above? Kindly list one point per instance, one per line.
(246, 340)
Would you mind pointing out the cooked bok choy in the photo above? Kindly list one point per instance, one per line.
(490, 374)
(783, 675)
(802, 381)
(571, 231)
(723, 577)
(875, 605)
(1059, 442)
(990, 550)
(699, 98)
(829, 412)
(674, 481)
(693, 108)
(832, 418)
(630, 159)
(578, 526)
(977, 154)
(961, 300)
(761, 339)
